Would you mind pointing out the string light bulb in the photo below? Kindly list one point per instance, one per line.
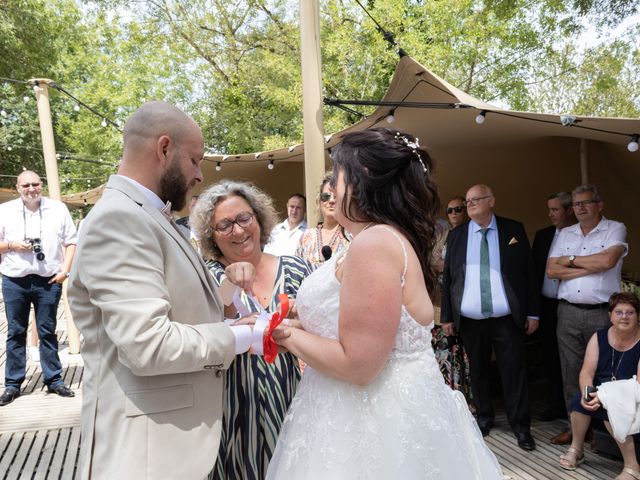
(25, 98)
(76, 108)
(3, 113)
(218, 167)
(633, 144)
(9, 147)
(481, 117)
(104, 122)
(391, 118)
(271, 165)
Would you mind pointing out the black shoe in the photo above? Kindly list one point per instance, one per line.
(485, 427)
(9, 395)
(550, 414)
(526, 441)
(61, 390)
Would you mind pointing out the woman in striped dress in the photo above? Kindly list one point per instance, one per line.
(232, 221)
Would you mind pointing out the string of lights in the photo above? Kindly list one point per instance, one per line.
(387, 35)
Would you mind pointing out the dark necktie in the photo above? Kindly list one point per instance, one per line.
(486, 303)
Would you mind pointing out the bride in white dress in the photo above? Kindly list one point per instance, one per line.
(372, 403)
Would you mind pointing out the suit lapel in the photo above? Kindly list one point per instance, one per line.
(503, 237)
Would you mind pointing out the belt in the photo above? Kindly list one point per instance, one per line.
(587, 306)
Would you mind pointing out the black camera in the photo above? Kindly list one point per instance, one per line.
(36, 246)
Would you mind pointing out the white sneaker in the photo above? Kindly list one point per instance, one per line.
(34, 354)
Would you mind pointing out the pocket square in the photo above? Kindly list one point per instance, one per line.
(513, 241)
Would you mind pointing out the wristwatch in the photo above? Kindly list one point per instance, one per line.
(572, 259)
(66, 274)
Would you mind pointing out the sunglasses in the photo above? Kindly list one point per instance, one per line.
(455, 209)
(326, 196)
(32, 184)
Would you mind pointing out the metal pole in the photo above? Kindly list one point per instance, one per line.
(311, 102)
(41, 90)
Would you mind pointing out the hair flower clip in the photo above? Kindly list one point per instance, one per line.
(414, 146)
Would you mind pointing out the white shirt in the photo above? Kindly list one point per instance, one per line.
(550, 285)
(242, 333)
(471, 304)
(285, 240)
(51, 223)
(596, 287)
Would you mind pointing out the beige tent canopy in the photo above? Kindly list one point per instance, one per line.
(523, 156)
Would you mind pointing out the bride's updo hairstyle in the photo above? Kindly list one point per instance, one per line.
(390, 178)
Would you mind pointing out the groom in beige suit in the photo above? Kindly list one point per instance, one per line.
(154, 345)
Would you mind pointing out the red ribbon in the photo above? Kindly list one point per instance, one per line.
(270, 347)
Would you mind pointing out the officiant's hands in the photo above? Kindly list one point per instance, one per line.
(241, 274)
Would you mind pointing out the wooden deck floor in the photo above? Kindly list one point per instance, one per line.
(40, 433)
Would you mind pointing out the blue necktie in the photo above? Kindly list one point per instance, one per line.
(486, 303)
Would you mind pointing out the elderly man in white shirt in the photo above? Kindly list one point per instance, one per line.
(285, 236)
(37, 242)
(587, 258)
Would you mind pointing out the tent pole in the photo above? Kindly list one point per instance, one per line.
(311, 102)
(41, 91)
(584, 161)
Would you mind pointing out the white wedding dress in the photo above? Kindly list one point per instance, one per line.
(406, 424)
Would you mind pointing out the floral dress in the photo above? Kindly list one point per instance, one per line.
(311, 244)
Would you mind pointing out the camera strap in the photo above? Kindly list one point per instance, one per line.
(24, 220)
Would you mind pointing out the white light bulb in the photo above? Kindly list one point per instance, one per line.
(76, 108)
(25, 98)
(633, 146)
(271, 165)
(104, 122)
(3, 113)
(9, 148)
(218, 167)
(391, 118)
(480, 118)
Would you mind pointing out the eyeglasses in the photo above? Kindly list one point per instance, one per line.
(624, 313)
(243, 220)
(32, 184)
(459, 209)
(326, 196)
(475, 200)
(583, 203)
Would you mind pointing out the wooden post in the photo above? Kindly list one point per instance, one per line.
(312, 103)
(584, 161)
(41, 90)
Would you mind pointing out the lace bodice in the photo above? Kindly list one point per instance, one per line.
(318, 306)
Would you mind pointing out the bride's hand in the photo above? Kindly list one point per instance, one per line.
(293, 309)
(241, 274)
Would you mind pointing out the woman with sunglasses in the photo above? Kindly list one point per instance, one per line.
(452, 359)
(233, 221)
(328, 238)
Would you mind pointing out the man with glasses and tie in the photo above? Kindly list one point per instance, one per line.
(587, 259)
(37, 242)
(155, 344)
(490, 296)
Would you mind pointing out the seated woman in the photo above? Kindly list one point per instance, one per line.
(233, 221)
(328, 238)
(613, 353)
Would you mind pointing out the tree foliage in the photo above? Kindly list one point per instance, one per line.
(235, 65)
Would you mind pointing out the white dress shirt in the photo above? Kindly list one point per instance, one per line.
(242, 333)
(550, 285)
(471, 304)
(285, 240)
(596, 287)
(51, 223)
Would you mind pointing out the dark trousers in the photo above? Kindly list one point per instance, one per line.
(19, 294)
(502, 335)
(551, 356)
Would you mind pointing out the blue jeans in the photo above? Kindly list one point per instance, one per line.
(19, 293)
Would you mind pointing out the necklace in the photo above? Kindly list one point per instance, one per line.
(613, 372)
(332, 241)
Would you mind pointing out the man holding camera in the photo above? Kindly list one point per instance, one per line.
(37, 243)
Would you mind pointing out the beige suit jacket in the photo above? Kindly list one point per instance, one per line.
(154, 345)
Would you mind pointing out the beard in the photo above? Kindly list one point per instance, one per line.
(174, 186)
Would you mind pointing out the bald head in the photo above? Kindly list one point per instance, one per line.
(29, 186)
(153, 120)
(27, 176)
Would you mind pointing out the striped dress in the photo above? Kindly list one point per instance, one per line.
(258, 394)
